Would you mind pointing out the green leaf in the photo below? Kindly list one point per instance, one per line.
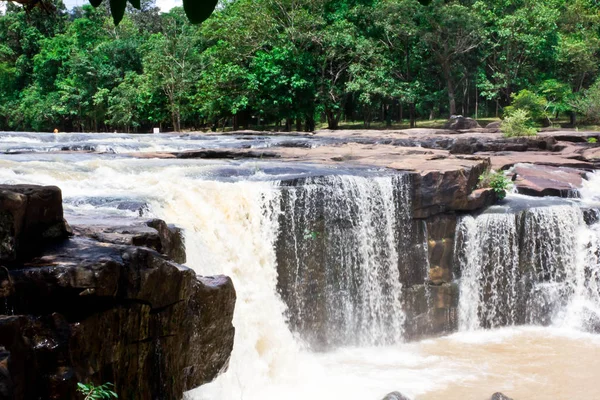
(117, 9)
(198, 11)
(95, 3)
(136, 3)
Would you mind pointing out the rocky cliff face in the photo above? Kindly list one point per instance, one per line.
(107, 305)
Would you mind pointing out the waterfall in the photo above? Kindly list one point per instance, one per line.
(538, 266)
(488, 253)
(340, 246)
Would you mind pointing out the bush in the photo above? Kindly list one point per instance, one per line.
(588, 104)
(497, 181)
(592, 140)
(534, 105)
(518, 124)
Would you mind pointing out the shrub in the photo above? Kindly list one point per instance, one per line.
(518, 124)
(497, 181)
(536, 106)
(588, 104)
(592, 140)
(91, 392)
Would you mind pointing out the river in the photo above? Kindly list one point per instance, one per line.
(232, 214)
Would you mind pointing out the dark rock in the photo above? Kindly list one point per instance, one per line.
(472, 145)
(437, 192)
(591, 216)
(440, 244)
(430, 310)
(224, 154)
(138, 207)
(500, 396)
(458, 122)
(395, 396)
(171, 239)
(543, 180)
(494, 125)
(100, 312)
(154, 234)
(30, 217)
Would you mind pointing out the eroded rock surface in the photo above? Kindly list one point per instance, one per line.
(30, 217)
(543, 180)
(107, 306)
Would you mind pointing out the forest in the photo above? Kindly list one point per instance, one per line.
(299, 65)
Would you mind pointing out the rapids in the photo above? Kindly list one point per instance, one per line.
(540, 344)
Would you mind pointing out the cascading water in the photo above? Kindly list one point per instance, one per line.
(338, 258)
(327, 254)
(537, 266)
(487, 250)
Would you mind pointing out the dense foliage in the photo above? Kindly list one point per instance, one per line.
(296, 64)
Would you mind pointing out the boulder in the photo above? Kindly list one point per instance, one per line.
(90, 311)
(472, 145)
(441, 191)
(458, 123)
(494, 125)
(154, 234)
(544, 180)
(30, 217)
(591, 216)
(500, 396)
(395, 396)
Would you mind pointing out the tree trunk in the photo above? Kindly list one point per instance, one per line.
(451, 98)
(236, 124)
(175, 119)
(310, 124)
(411, 112)
(332, 120)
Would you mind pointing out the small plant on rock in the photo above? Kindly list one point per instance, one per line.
(92, 392)
(516, 124)
(592, 140)
(497, 181)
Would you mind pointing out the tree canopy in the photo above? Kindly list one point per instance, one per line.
(294, 64)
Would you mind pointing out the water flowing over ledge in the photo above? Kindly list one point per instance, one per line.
(336, 273)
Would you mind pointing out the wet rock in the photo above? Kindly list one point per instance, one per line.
(154, 234)
(395, 396)
(440, 244)
(543, 180)
(103, 312)
(591, 216)
(458, 122)
(30, 217)
(138, 207)
(171, 240)
(430, 310)
(500, 396)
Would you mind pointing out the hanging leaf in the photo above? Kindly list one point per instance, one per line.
(198, 11)
(117, 9)
(95, 3)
